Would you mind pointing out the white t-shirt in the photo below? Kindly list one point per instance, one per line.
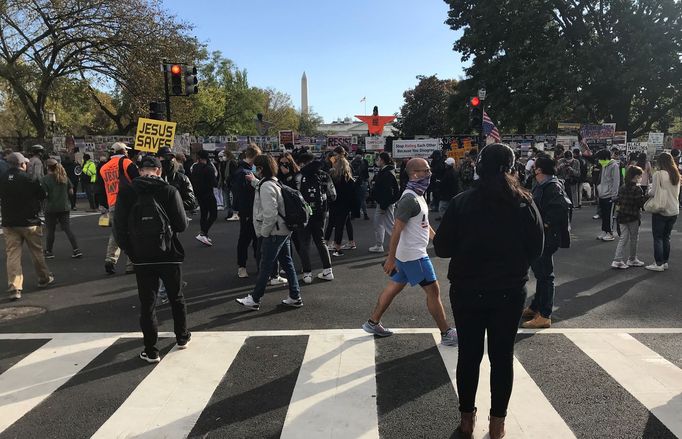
(413, 210)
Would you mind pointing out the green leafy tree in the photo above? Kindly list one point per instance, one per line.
(425, 110)
(308, 124)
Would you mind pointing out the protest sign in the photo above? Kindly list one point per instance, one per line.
(637, 147)
(376, 143)
(286, 137)
(415, 148)
(152, 134)
(677, 143)
(343, 141)
(656, 140)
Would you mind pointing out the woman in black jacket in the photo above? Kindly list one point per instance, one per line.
(492, 233)
(385, 192)
(340, 209)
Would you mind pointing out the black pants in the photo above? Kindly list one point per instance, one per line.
(313, 231)
(606, 213)
(51, 220)
(497, 313)
(148, 277)
(338, 218)
(90, 194)
(247, 235)
(209, 213)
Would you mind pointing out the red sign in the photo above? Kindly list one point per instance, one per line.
(375, 124)
(677, 142)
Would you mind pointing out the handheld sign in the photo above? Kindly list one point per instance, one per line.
(152, 134)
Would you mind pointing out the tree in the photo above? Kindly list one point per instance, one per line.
(308, 123)
(278, 109)
(426, 107)
(581, 60)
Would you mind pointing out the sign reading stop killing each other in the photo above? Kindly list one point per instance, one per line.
(415, 148)
(152, 134)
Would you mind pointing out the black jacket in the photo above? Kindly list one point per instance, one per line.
(345, 195)
(20, 198)
(176, 178)
(449, 184)
(168, 198)
(204, 179)
(243, 192)
(491, 244)
(549, 197)
(386, 190)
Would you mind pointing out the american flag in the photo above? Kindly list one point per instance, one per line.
(489, 128)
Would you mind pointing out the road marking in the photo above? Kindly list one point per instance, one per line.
(651, 379)
(335, 394)
(30, 381)
(170, 400)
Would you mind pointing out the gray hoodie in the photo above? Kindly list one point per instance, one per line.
(610, 181)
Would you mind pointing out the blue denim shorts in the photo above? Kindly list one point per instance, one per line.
(414, 272)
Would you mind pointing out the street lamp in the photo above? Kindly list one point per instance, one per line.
(52, 118)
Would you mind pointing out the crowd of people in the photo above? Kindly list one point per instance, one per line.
(500, 215)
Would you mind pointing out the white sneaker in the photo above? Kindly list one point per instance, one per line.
(326, 275)
(348, 246)
(636, 263)
(608, 237)
(655, 267)
(248, 302)
(204, 240)
(665, 266)
(450, 338)
(234, 217)
(307, 278)
(241, 272)
(279, 280)
(377, 249)
(294, 303)
(619, 264)
(601, 235)
(596, 217)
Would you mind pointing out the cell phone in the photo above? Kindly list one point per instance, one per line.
(393, 272)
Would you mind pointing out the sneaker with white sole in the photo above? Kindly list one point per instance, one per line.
(294, 303)
(279, 280)
(307, 278)
(655, 267)
(620, 265)
(337, 253)
(44, 284)
(377, 249)
(326, 274)
(596, 217)
(184, 341)
(14, 294)
(248, 302)
(608, 237)
(204, 240)
(150, 358)
(449, 338)
(635, 263)
(241, 272)
(349, 246)
(665, 266)
(376, 329)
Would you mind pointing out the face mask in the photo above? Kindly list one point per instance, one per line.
(419, 186)
(253, 168)
(603, 163)
(167, 166)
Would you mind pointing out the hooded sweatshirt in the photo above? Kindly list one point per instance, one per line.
(609, 182)
(169, 199)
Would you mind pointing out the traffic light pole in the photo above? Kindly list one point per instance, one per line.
(481, 139)
(165, 89)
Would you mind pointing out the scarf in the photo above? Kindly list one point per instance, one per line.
(419, 186)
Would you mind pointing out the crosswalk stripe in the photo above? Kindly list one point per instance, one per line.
(333, 397)
(650, 378)
(521, 422)
(170, 400)
(30, 381)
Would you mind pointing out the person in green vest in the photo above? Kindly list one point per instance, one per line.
(89, 180)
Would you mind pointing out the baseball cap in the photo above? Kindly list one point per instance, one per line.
(16, 159)
(119, 146)
(149, 161)
(449, 161)
(164, 151)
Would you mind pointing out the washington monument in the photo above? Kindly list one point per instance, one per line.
(304, 94)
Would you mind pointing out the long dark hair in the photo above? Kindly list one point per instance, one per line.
(505, 188)
(666, 163)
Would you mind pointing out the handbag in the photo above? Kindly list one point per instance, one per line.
(104, 220)
(656, 203)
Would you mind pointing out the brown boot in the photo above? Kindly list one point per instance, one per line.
(466, 425)
(496, 427)
(528, 314)
(538, 322)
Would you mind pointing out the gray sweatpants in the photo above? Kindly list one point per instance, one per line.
(629, 236)
(383, 223)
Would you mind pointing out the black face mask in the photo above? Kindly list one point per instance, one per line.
(167, 166)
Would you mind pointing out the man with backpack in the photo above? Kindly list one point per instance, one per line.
(317, 190)
(149, 215)
(554, 206)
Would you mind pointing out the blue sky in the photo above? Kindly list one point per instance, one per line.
(371, 48)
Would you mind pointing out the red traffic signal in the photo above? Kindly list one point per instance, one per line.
(475, 101)
(176, 69)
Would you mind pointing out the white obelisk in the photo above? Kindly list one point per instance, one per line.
(304, 94)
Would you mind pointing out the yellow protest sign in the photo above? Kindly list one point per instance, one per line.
(152, 134)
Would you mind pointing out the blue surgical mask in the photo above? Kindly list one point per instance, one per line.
(253, 168)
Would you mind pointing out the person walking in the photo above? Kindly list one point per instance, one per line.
(89, 180)
(583, 177)
(569, 171)
(268, 221)
(149, 216)
(20, 198)
(227, 168)
(488, 272)
(117, 173)
(551, 200)
(385, 192)
(360, 168)
(58, 188)
(628, 217)
(36, 167)
(244, 194)
(204, 179)
(664, 192)
(609, 183)
(408, 261)
(317, 190)
(340, 211)
(449, 187)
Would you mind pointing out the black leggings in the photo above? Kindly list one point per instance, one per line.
(499, 314)
(247, 235)
(337, 220)
(209, 213)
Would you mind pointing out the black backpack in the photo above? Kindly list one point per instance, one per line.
(151, 235)
(296, 210)
(313, 193)
(565, 225)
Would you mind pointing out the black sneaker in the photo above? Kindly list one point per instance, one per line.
(184, 341)
(150, 358)
(48, 255)
(110, 268)
(77, 254)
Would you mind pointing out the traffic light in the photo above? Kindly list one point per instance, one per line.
(191, 80)
(475, 113)
(157, 110)
(176, 79)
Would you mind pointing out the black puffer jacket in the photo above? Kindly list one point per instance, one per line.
(386, 190)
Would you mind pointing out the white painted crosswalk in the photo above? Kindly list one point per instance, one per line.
(334, 394)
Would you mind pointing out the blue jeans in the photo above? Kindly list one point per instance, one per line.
(543, 268)
(661, 227)
(275, 248)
